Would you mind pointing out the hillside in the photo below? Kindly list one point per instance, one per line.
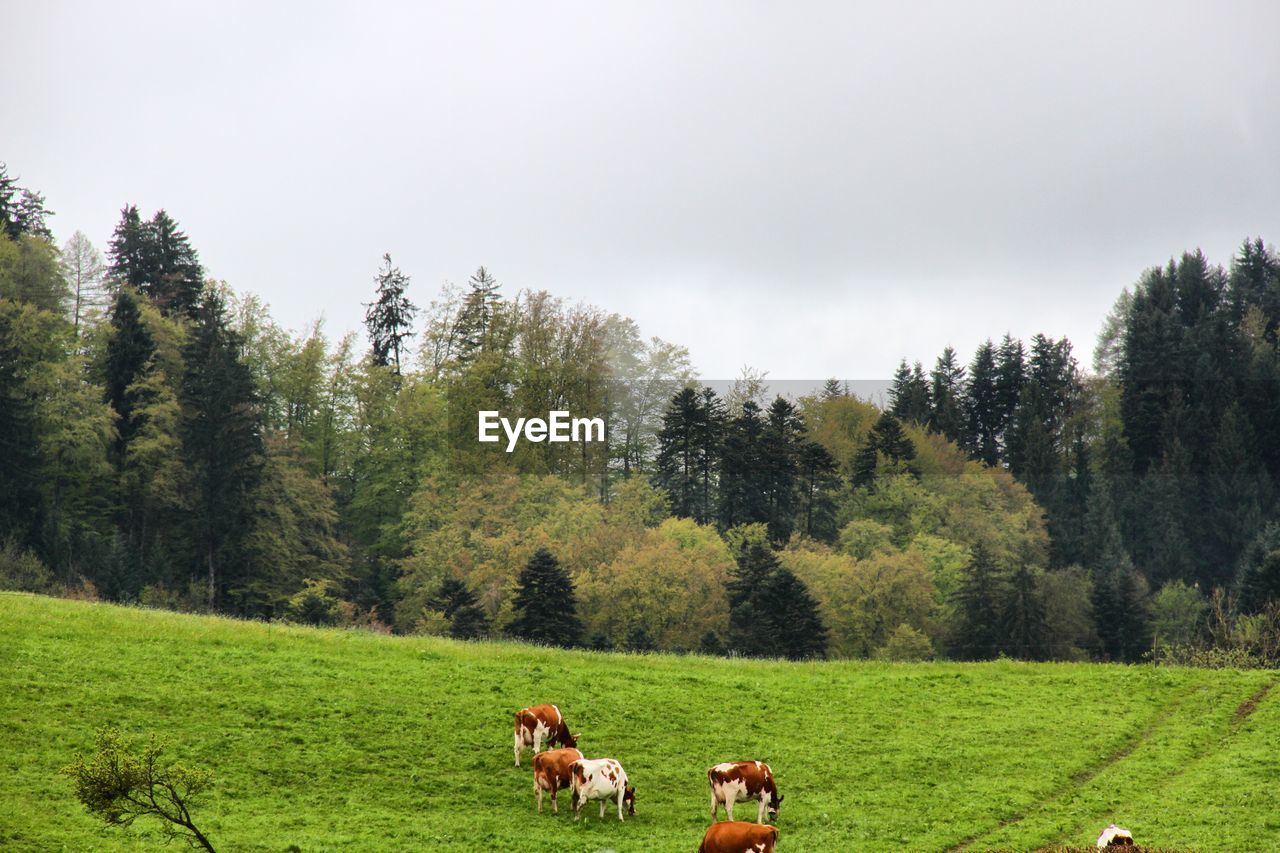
(328, 739)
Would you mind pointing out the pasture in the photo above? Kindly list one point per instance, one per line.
(330, 739)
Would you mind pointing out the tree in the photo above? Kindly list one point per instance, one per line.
(85, 272)
(978, 633)
(818, 479)
(887, 441)
(158, 260)
(909, 394)
(946, 394)
(982, 406)
(1260, 571)
(679, 460)
(1023, 616)
(779, 451)
(122, 782)
(474, 329)
(546, 606)
(22, 211)
(772, 611)
(389, 318)
(459, 605)
(222, 446)
(742, 498)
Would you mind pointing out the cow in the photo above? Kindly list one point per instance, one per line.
(743, 780)
(739, 836)
(538, 723)
(600, 779)
(1114, 836)
(551, 773)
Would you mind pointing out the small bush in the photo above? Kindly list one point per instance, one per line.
(906, 644)
(21, 570)
(314, 604)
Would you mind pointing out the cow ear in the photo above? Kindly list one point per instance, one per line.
(781, 797)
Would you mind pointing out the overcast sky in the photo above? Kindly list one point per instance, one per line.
(814, 189)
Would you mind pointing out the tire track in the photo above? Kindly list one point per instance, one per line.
(1087, 774)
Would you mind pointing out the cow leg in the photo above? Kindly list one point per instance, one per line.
(555, 803)
(715, 806)
(760, 812)
(538, 788)
(728, 806)
(518, 745)
(621, 793)
(537, 742)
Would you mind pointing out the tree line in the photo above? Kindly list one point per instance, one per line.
(164, 440)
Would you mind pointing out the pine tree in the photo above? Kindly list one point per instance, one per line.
(458, 604)
(474, 327)
(1260, 571)
(22, 211)
(742, 486)
(1023, 617)
(546, 605)
(772, 612)
(909, 394)
(979, 600)
(20, 462)
(779, 450)
(222, 446)
(679, 461)
(946, 392)
(819, 480)
(389, 318)
(177, 276)
(1011, 374)
(131, 251)
(129, 351)
(832, 389)
(982, 406)
(887, 440)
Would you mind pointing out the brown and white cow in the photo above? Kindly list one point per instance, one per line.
(541, 722)
(600, 779)
(739, 836)
(734, 781)
(1115, 836)
(551, 773)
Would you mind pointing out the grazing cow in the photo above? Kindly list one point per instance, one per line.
(551, 773)
(539, 722)
(1114, 836)
(743, 780)
(739, 836)
(600, 779)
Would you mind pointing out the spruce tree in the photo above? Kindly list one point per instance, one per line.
(779, 450)
(222, 445)
(982, 406)
(178, 277)
(546, 606)
(1260, 571)
(129, 352)
(389, 318)
(946, 392)
(819, 481)
(742, 497)
(679, 462)
(1023, 622)
(772, 612)
(888, 441)
(458, 604)
(20, 460)
(131, 252)
(909, 394)
(1011, 375)
(473, 329)
(979, 601)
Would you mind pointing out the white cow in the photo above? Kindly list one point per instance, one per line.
(600, 779)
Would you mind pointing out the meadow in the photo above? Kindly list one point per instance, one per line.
(333, 739)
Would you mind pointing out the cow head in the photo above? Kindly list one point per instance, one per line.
(775, 801)
(569, 740)
(629, 797)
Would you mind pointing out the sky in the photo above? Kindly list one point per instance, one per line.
(811, 189)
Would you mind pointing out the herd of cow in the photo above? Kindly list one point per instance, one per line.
(604, 779)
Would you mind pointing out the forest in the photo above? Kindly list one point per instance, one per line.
(165, 442)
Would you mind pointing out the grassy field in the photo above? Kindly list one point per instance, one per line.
(331, 740)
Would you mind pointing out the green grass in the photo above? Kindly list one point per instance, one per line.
(337, 740)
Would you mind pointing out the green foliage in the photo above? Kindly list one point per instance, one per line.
(459, 606)
(906, 644)
(123, 781)
(389, 318)
(21, 570)
(157, 259)
(30, 272)
(314, 604)
(1177, 614)
(772, 613)
(545, 605)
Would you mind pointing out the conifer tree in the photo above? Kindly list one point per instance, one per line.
(1024, 626)
(742, 488)
(779, 449)
(979, 601)
(982, 406)
(1011, 373)
(679, 462)
(819, 480)
(458, 604)
(773, 613)
(1260, 571)
(177, 276)
(889, 440)
(474, 327)
(546, 605)
(946, 392)
(389, 318)
(909, 394)
(222, 446)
